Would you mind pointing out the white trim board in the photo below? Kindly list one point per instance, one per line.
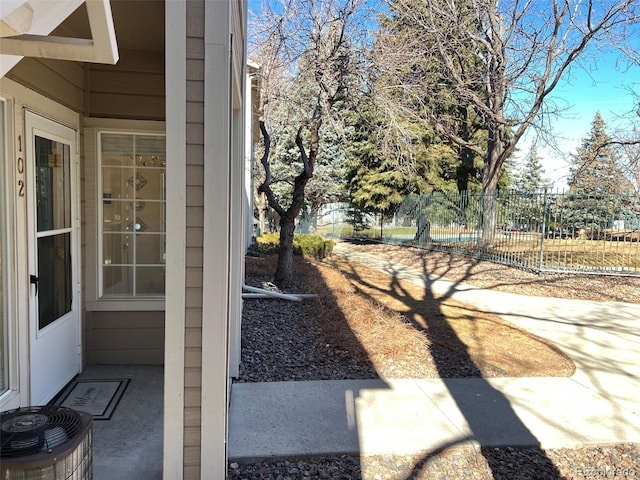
(176, 107)
(46, 16)
(216, 251)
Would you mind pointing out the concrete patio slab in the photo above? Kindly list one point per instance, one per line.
(129, 445)
(294, 418)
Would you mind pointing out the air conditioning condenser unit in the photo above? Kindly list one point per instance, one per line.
(46, 443)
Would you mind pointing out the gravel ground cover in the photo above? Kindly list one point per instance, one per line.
(282, 341)
(599, 462)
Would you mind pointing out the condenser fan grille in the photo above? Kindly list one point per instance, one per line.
(29, 430)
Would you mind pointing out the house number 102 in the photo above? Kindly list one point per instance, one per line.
(21, 173)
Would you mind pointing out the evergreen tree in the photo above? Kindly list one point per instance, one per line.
(328, 183)
(380, 173)
(595, 167)
(595, 184)
(400, 93)
(531, 177)
(373, 183)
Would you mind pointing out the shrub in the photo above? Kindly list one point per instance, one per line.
(309, 245)
(306, 245)
(268, 243)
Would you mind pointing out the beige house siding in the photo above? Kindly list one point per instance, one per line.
(190, 333)
(194, 237)
(177, 398)
(114, 328)
(131, 89)
(207, 119)
(125, 338)
(237, 242)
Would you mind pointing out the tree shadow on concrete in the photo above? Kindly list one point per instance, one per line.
(498, 276)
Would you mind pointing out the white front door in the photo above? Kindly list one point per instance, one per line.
(54, 314)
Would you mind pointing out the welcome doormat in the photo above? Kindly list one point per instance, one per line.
(97, 397)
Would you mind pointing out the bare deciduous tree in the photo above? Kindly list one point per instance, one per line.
(627, 137)
(631, 164)
(627, 144)
(500, 59)
(305, 48)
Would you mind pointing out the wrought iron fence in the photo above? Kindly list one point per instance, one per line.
(542, 231)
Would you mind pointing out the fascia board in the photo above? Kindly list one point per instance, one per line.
(102, 48)
(16, 18)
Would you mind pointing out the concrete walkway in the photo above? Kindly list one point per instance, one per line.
(599, 404)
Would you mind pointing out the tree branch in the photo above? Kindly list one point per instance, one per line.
(265, 187)
(307, 169)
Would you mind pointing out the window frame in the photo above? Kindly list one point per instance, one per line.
(102, 233)
(94, 299)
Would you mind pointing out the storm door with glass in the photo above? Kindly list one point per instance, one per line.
(53, 259)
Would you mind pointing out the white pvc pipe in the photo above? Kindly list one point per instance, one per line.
(301, 296)
(269, 293)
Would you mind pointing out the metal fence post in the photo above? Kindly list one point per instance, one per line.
(543, 233)
(479, 229)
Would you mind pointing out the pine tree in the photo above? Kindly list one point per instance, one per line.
(399, 89)
(531, 178)
(373, 183)
(595, 169)
(595, 184)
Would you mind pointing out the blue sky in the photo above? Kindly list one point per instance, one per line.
(604, 88)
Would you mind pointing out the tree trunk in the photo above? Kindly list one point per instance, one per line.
(284, 270)
(262, 216)
(489, 217)
(490, 177)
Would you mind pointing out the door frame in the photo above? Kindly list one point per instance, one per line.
(9, 177)
(53, 129)
(19, 99)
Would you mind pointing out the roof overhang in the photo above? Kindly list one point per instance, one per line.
(25, 26)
